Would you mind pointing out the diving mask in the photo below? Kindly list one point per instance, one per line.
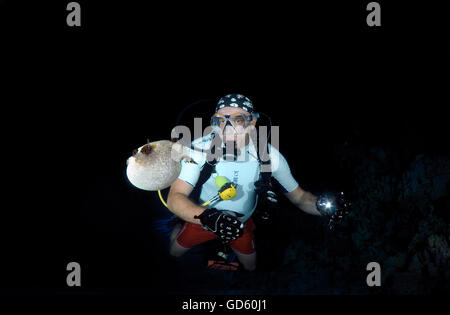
(237, 121)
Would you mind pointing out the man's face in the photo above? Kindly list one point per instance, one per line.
(236, 133)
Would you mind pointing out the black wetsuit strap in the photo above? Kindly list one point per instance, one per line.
(205, 174)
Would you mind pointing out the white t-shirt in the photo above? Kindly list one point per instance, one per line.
(243, 173)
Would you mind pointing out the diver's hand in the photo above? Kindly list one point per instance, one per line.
(333, 206)
(267, 199)
(267, 205)
(224, 224)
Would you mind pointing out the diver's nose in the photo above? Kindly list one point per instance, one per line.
(229, 129)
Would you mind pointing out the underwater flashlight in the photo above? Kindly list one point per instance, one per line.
(325, 204)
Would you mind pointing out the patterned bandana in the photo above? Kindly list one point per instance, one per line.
(235, 100)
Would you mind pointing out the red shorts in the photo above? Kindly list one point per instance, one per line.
(194, 234)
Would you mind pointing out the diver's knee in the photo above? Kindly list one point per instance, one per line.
(174, 233)
(248, 261)
(176, 250)
(175, 253)
(249, 265)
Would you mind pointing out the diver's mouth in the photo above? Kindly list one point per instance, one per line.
(230, 138)
(231, 143)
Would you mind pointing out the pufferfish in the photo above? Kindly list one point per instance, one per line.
(156, 165)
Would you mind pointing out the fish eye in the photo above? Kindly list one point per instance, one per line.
(146, 149)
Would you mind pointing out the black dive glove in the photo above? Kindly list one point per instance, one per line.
(333, 206)
(225, 224)
(267, 200)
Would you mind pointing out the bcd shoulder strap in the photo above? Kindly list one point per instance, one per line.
(205, 174)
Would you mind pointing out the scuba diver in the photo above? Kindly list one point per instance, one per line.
(230, 219)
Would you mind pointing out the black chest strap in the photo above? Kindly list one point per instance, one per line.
(263, 183)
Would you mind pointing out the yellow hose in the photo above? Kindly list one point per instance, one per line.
(206, 203)
(162, 200)
(164, 203)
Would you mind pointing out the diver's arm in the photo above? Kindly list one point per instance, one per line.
(179, 203)
(303, 200)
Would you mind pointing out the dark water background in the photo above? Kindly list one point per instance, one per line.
(359, 109)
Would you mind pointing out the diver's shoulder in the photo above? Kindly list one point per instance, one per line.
(198, 149)
(275, 155)
(273, 150)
